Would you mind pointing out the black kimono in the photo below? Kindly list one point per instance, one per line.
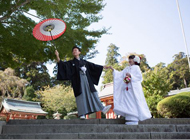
(87, 99)
(70, 70)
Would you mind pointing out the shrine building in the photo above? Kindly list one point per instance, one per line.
(19, 109)
(106, 97)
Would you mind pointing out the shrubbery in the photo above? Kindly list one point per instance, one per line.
(29, 94)
(70, 117)
(177, 106)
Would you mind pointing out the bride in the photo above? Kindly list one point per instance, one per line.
(129, 100)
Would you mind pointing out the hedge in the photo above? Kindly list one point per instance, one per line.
(177, 106)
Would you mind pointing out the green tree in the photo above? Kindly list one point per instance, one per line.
(155, 82)
(36, 73)
(179, 71)
(111, 60)
(152, 102)
(112, 54)
(156, 86)
(29, 94)
(57, 98)
(17, 45)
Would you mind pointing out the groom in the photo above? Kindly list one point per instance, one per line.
(83, 76)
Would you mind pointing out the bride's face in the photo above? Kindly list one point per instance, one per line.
(131, 62)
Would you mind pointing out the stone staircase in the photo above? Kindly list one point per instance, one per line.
(96, 129)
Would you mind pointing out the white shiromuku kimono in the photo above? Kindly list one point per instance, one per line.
(130, 103)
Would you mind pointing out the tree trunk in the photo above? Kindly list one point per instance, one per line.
(185, 82)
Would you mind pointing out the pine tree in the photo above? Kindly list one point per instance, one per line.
(112, 54)
(111, 60)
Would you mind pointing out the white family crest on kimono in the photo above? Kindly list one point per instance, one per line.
(83, 68)
(130, 103)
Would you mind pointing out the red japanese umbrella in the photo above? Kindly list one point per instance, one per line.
(49, 29)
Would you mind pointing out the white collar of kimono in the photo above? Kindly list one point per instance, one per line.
(78, 58)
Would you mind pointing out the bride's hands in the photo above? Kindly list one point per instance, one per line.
(108, 67)
(128, 74)
(111, 68)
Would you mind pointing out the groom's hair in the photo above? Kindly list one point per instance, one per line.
(76, 48)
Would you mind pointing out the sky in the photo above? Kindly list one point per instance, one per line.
(149, 27)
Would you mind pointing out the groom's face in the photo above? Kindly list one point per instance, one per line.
(76, 52)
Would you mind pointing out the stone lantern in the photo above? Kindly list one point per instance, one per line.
(57, 115)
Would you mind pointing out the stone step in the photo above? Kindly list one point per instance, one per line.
(96, 129)
(91, 128)
(72, 121)
(134, 135)
(100, 121)
(166, 121)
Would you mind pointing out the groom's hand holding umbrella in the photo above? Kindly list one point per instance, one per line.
(57, 56)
